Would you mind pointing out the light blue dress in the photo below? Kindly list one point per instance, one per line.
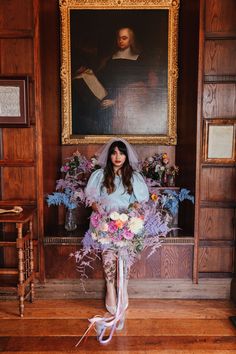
(120, 199)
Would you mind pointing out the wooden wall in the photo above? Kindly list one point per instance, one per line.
(30, 158)
(21, 148)
(215, 182)
(56, 253)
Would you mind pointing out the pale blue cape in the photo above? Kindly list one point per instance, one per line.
(119, 199)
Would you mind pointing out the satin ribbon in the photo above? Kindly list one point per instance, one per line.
(111, 323)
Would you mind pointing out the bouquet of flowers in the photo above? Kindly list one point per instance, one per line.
(70, 188)
(169, 200)
(156, 169)
(130, 232)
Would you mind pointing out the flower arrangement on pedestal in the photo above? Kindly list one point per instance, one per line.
(157, 171)
(70, 188)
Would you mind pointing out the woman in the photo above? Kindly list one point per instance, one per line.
(113, 188)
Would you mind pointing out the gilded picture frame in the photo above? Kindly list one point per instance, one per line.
(143, 107)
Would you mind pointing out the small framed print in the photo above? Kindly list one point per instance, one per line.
(14, 102)
(219, 141)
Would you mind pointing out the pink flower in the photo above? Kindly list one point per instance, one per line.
(95, 219)
(66, 168)
(112, 227)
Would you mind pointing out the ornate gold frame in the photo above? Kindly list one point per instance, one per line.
(173, 7)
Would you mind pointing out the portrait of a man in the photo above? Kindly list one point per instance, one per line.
(119, 72)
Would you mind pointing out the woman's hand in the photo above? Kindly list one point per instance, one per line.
(95, 207)
(136, 205)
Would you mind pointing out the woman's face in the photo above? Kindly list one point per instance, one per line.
(123, 38)
(117, 158)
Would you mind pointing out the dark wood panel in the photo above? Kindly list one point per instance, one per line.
(18, 144)
(59, 264)
(18, 183)
(169, 262)
(220, 15)
(219, 101)
(50, 69)
(220, 57)
(216, 259)
(16, 14)
(21, 53)
(176, 262)
(16, 33)
(218, 184)
(217, 223)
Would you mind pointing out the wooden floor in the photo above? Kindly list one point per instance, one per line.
(152, 326)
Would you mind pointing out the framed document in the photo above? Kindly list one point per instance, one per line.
(14, 102)
(219, 140)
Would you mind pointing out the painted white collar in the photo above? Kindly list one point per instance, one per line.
(125, 54)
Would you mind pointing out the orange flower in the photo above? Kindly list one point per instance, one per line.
(165, 156)
(154, 197)
(119, 224)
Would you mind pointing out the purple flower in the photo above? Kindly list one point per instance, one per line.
(128, 235)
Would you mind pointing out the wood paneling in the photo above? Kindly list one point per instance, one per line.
(12, 150)
(220, 16)
(169, 262)
(21, 53)
(219, 101)
(218, 184)
(216, 97)
(217, 223)
(220, 57)
(187, 106)
(216, 259)
(18, 183)
(59, 264)
(50, 67)
(16, 14)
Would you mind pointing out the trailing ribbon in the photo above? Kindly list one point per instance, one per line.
(113, 322)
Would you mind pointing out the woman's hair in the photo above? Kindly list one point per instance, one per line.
(126, 169)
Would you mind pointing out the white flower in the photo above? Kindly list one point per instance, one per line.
(104, 240)
(157, 168)
(150, 159)
(123, 217)
(120, 243)
(94, 161)
(114, 215)
(135, 225)
(94, 236)
(103, 227)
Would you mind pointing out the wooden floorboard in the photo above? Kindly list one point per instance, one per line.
(151, 327)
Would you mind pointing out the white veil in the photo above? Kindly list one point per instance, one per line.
(103, 154)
